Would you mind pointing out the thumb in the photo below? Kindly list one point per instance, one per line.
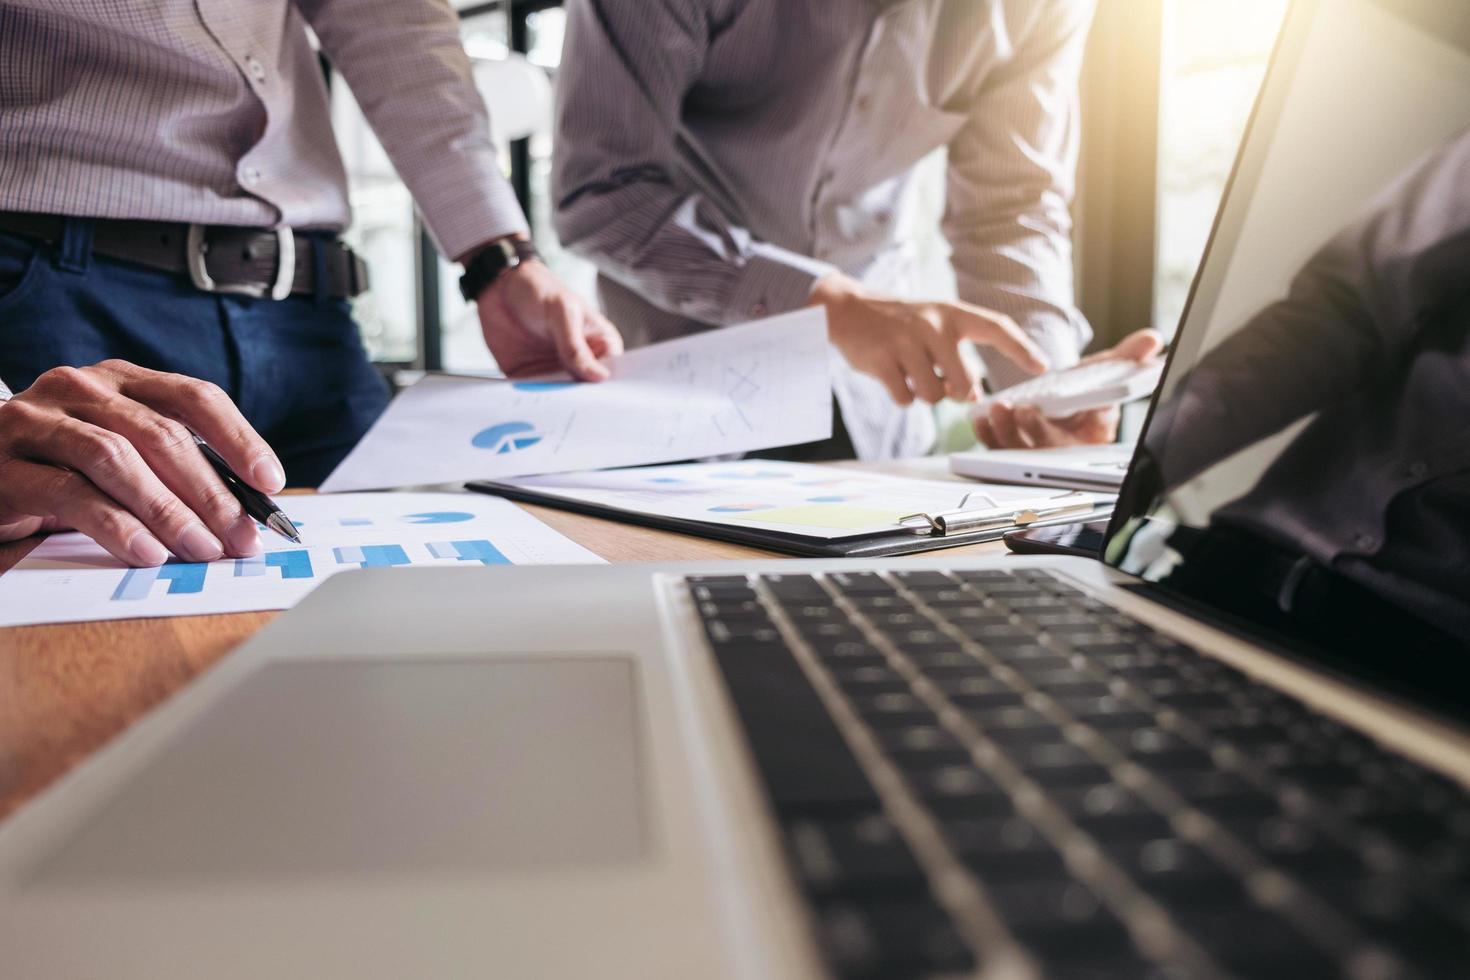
(1141, 346)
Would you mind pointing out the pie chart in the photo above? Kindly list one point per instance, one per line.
(438, 517)
(507, 437)
(542, 385)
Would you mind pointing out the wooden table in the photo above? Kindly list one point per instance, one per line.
(66, 690)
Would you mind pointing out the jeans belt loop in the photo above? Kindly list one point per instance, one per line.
(75, 252)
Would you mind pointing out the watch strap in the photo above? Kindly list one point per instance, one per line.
(492, 262)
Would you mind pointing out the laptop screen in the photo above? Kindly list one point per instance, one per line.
(1306, 464)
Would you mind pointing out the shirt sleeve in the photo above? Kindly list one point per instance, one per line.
(408, 69)
(621, 200)
(1012, 174)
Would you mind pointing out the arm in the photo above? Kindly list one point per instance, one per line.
(1351, 317)
(1012, 170)
(620, 200)
(409, 71)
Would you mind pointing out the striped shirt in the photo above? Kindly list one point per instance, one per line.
(715, 158)
(215, 112)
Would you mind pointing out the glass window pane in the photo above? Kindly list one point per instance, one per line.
(382, 232)
(1214, 57)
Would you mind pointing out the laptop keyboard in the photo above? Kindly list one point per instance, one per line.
(993, 769)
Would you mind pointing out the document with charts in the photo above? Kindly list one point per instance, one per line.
(731, 390)
(826, 502)
(68, 578)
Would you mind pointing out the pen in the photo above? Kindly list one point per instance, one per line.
(256, 504)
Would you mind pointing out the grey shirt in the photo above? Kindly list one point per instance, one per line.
(715, 158)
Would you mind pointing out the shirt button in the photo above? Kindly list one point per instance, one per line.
(1364, 541)
(1418, 469)
(250, 176)
(256, 69)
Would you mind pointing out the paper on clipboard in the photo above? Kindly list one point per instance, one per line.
(822, 502)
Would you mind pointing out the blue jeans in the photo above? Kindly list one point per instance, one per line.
(296, 368)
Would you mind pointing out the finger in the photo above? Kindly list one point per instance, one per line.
(168, 448)
(207, 410)
(605, 339)
(1003, 424)
(1035, 429)
(984, 432)
(112, 465)
(960, 381)
(999, 331)
(892, 376)
(1141, 346)
(68, 497)
(567, 325)
(1092, 427)
(918, 367)
(15, 528)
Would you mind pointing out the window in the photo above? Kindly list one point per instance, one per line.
(1212, 60)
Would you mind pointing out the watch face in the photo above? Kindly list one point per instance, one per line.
(508, 253)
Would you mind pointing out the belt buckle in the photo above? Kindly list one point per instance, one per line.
(195, 251)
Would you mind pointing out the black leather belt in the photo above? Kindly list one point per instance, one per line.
(217, 258)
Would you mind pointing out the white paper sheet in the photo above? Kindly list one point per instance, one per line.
(731, 390)
(69, 579)
(825, 502)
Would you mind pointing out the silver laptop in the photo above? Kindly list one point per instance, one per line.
(1074, 467)
(1234, 748)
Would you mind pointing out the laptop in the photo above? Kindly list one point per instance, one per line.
(1234, 748)
(1073, 467)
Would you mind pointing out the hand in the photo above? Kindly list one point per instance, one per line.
(1024, 427)
(914, 348)
(108, 450)
(535, 325)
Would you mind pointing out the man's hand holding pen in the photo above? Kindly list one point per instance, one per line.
(109, 450)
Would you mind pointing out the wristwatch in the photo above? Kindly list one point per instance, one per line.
(492, 262)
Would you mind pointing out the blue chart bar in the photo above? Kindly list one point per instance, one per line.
(293, 564)
(183, 578)
(372, 555)
(481, 551)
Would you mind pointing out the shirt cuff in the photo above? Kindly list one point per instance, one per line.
(463, 216)
(774, 280)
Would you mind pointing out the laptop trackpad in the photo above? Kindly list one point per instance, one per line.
(386, 767)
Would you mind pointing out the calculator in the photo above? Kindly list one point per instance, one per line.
(1080, 388)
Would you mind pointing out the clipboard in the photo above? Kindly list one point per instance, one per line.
(910, 535)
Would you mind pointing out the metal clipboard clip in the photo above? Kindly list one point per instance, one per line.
(962, 521)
